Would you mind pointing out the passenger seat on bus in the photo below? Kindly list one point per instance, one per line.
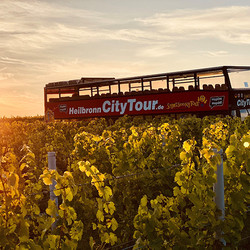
(190, 87)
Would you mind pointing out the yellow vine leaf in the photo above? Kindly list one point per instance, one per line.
(144, 201)
(113, 238)
(114, 224)
(99, 215)
(46, 177)
(112, 208)
(107, 193)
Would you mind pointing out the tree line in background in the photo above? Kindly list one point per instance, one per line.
(130, 183)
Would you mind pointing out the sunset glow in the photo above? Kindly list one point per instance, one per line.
(47, 41)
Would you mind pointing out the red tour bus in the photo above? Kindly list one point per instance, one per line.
(221, 90)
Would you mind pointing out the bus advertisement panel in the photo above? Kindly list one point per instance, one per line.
(240, 99)
(150, 104)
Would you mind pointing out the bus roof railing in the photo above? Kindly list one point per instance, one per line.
(102, 81)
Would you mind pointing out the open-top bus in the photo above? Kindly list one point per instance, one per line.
(221, 90)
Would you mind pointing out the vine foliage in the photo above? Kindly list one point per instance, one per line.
(144, 181)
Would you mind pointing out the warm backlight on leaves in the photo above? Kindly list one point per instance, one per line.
(132, 183)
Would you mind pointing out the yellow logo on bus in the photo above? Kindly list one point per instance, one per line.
(202, 98)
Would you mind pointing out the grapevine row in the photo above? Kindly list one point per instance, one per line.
(165, 207)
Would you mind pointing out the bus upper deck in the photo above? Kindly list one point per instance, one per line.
(216, 90)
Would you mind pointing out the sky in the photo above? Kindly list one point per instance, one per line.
(44, 41)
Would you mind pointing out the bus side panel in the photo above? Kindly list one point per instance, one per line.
(240, 99)
(240, 102)
(150, 104)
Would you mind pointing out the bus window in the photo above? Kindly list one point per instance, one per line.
(114, 89)
(159, 84)
(244, 113)
(52, 96)
(212, 82)
(239, 78)
(84, 91)
(147, 85)
(185, 82)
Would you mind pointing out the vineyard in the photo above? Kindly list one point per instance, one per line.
(132, 183)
